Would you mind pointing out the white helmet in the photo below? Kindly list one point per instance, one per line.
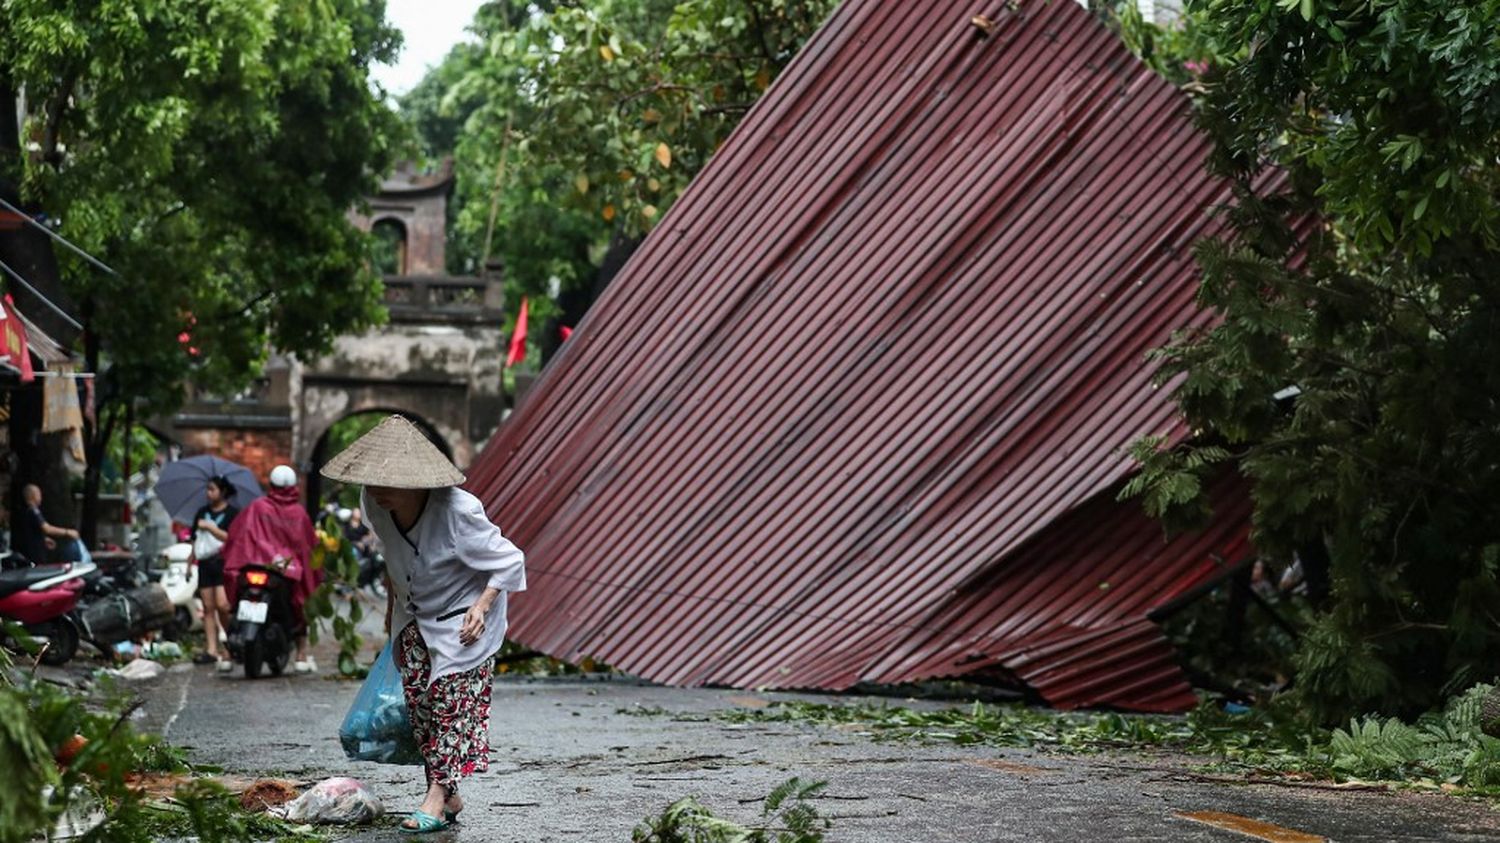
(344, 514)
(283, 476)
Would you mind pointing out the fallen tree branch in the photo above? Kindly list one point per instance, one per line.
(1277, 781)
(686, 760)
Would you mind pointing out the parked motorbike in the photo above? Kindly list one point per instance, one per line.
(371, 561)
(372, 572)
(179, 577)
(44, 600)
(125, 615)
(116, 572)
(263, 632)
(11, 560)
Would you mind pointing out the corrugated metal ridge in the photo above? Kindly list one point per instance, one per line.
(1042, 601)
(732, 162)
(598, 313)
(1012, 216)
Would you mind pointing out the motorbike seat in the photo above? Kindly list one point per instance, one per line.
(22, 578)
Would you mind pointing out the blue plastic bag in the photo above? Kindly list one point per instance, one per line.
(377, 727)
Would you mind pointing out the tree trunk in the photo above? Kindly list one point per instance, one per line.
(1239, 603)
(576, 301)
(96, 439)
(10, 137)
(1315, 570)
(26, 250)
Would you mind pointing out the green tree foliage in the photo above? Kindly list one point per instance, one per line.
(336, 599)
(633, 112)
(575, 124)
(75, 754)
(1447, 746)
(208, 150)
(1360, 284)
(504, 209)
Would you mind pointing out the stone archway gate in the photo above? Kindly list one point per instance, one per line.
(439, 358)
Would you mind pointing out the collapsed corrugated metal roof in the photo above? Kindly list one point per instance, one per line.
(855, 410)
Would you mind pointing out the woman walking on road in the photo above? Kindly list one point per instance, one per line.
(448, 570)
(210, 531)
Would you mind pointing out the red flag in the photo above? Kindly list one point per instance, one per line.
(5, 317)
(15, 341)
(518, 339)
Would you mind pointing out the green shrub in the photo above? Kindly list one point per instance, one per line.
(787, 816)
(1450, 746)
(1371, 749)
(61, 751)
(1446, 747)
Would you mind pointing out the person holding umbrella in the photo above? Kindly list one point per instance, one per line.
(195, 490)
(210, 531)
(449, 570)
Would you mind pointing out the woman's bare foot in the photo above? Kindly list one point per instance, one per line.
(454, 804)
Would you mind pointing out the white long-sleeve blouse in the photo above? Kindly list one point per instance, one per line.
(440, 567)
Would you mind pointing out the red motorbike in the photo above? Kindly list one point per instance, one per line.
(44, 600)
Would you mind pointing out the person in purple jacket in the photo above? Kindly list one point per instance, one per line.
(449, 570)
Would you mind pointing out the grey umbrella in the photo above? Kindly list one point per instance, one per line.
(182, 484)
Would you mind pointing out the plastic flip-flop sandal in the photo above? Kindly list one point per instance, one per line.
(425, 823)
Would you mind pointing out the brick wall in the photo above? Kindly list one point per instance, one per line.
(258, 450)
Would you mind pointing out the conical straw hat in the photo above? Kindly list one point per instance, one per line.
(394, 454)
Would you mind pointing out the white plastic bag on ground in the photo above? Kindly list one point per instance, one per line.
(341, 801)
(141, 669)
(84, 814)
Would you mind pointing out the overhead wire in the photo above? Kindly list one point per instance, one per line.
(38, 293)
(51, 305)
(29, 220)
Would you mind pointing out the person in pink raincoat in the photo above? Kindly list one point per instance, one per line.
(276, 531)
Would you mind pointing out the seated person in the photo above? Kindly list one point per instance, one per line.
(32, 535)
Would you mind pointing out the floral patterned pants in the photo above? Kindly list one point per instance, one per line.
(450, 719)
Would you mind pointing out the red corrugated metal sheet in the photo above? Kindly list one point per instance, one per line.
(849, 410)
(1066, 613)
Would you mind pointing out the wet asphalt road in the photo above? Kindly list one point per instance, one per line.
(569, 766)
